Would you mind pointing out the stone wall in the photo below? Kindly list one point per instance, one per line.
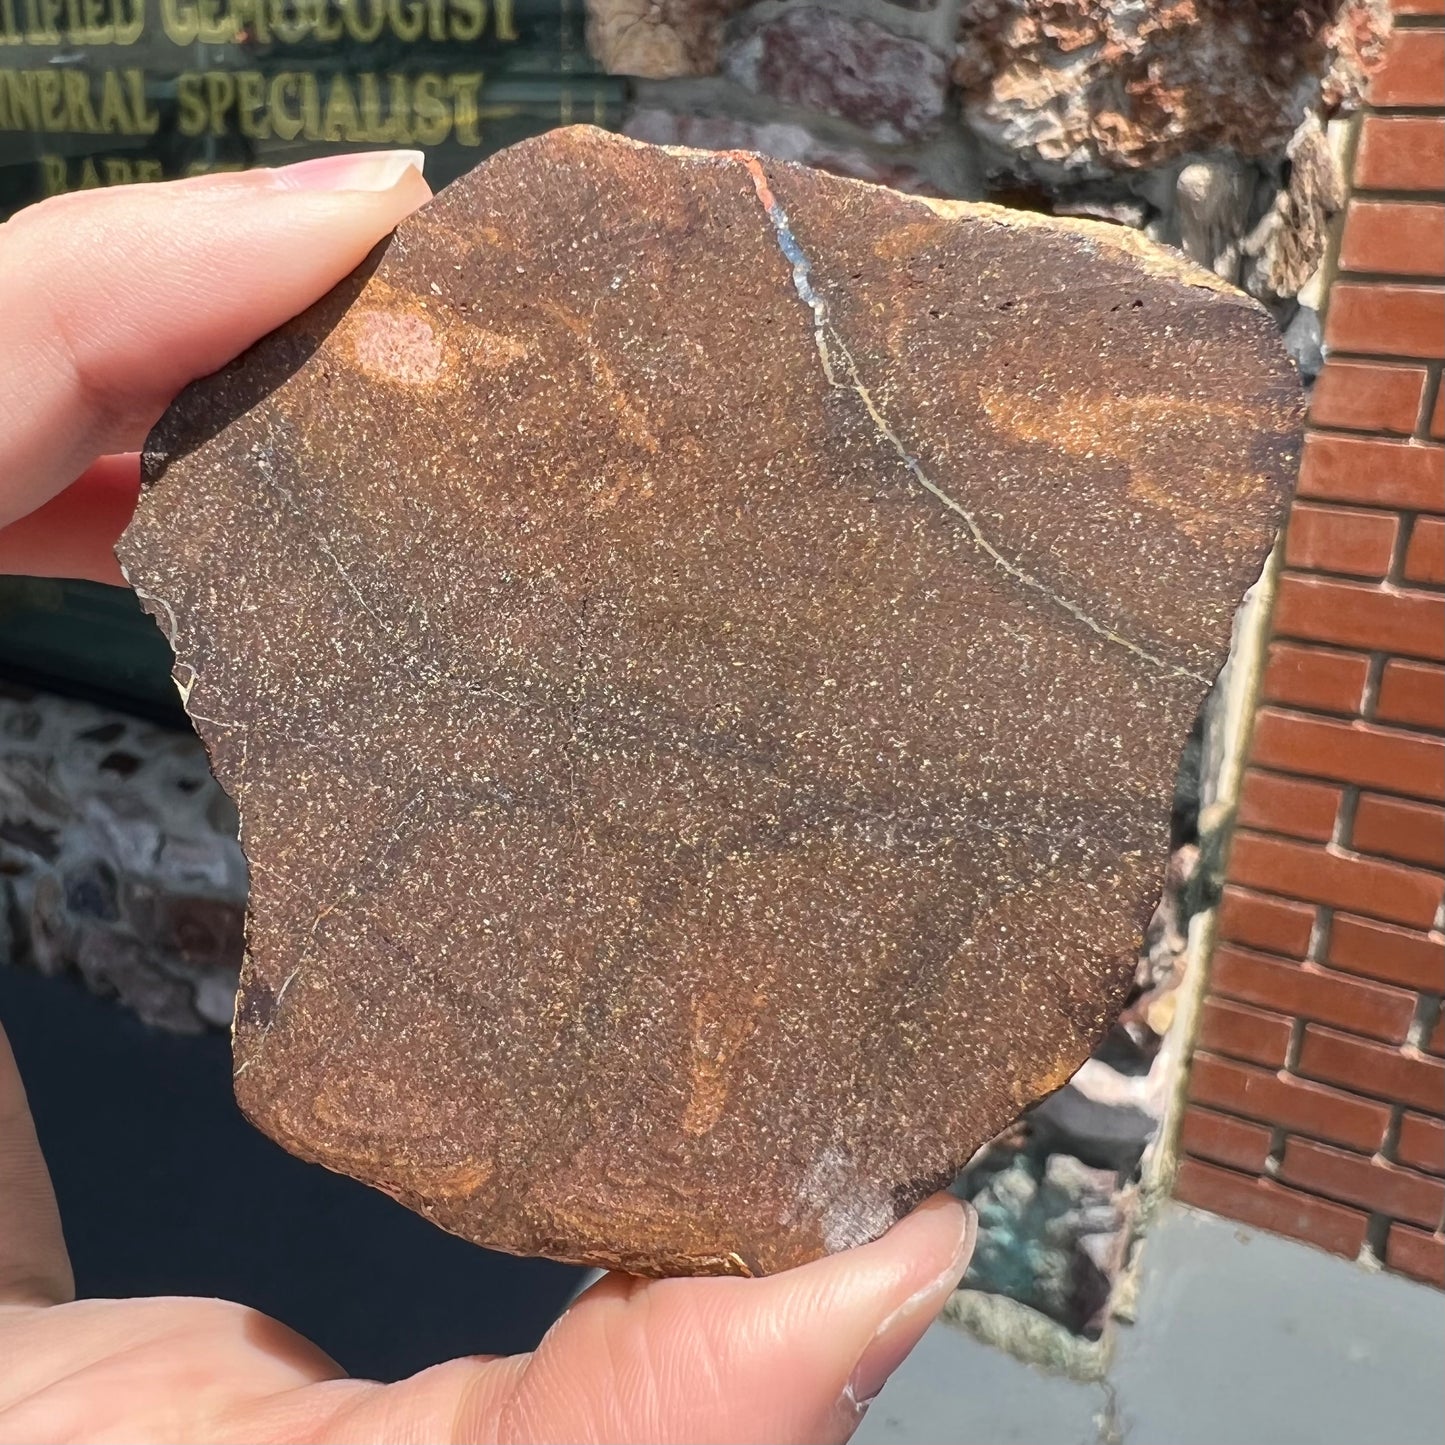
(118, 860)
(1317, 1089)
(1206, 123)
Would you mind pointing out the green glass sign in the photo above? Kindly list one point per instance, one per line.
(104, 92)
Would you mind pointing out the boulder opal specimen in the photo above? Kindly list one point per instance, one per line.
(701, 650)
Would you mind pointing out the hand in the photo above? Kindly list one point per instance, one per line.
(112, 301)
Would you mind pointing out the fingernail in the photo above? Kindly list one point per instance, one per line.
(361, 171)
(903, 1329)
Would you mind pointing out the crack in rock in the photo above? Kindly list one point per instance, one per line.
(827, 340)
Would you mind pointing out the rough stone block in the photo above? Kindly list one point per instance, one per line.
(891, 86)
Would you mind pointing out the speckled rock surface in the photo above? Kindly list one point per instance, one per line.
(684, 637)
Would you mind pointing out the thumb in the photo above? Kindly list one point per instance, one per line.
(114, 300)
(791, 1358)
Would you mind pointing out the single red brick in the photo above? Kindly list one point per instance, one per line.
(1412, 832)
(1315, 874)
(1354, 540)
(1351, 614)
(1368, 396)
(1386, 319)
(1271, 1206)
(1296, 807)
(1413, 72)
(1405, 1077)
(1412, 692)
(1393, 955)
(1295, 1104)
(1435, 1044)
(1437, 413)
(1373, 471)
(1243, 1033)
(1413, 1252)
(1315, 677)
(1259, 921)
(1372, 1184)
(1402, 238)
(1425, 551)
(1401, 153)
(1305, 992)
(1349, 752)
(1421, 1143)
(1208, 1135)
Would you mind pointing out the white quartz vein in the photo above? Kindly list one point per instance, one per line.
(830, 346)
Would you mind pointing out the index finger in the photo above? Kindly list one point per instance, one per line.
(114, 300)
(75, 532)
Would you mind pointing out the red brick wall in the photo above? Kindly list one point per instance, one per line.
(1317, 1088)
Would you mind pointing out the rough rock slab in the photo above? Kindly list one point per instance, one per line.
(701, 650)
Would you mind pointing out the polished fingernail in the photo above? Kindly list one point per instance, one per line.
(360, 171)
(903, 1329)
